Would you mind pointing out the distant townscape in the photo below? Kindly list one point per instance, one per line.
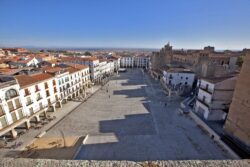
(212, 87)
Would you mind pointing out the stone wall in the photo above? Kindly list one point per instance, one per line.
(237, 123)
(21, 162)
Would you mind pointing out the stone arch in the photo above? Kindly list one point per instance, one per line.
(11, 93)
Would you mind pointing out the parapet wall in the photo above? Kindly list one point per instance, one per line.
(21, 162)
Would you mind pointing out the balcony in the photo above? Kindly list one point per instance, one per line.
(20, 113)
(14, 117)
(46, 86)
(18, 106)
(51, 102)
(47, 94)
(29, 103)
(37, 90)
(202, 101)
(27, 94)
(39, 98)
(3, 121)
(206, 89)
(41, 107)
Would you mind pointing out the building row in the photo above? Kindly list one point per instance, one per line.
(29, 97)
(135, 62)
(219, 89)
(204, 62)
(99, 68)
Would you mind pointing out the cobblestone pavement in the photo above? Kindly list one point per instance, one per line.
(128, 120)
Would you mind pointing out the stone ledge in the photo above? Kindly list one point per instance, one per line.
(24, 162)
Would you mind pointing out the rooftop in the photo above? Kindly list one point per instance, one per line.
(217, 79)
(26, 80)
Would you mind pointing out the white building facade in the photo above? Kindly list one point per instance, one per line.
(214, 97)
(178, 77)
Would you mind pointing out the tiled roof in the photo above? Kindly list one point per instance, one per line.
(72, 70)
(52, 61)
(25, 61)
(26, 80)
(78, 58)
(77, 66)
(52, 69)
(8, 71)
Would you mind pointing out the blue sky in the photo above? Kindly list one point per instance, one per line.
(224, 24)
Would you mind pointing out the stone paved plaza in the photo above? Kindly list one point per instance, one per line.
(127, 120)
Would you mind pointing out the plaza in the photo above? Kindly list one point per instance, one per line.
(128, 119)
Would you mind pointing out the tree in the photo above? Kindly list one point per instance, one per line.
(87, 53)
(240, 61)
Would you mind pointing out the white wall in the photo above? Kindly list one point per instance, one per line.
(179, 78)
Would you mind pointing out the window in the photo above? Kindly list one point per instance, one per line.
(46, 85)
(54, 82)
(47, 93)
(57, 98)
(31, 110)
(204, 98)
(18, 105)
(26, 91)
(1, 111)
(10, 94)
(38, 96)
(186, 78)
(181, 77)
(41, 105)
(28, 101)
(10, 105)
(49, 102)
(186, 83)
(37, 89)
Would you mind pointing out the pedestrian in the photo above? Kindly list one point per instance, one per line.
(109, 96)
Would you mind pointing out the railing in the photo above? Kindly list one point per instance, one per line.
(37, 90)
(27, 94)
(202, 101)
(20, 113)
(206, 90)
(29, 103)
(39, 98)
(14, 117)
(3, 121)
(18, 106)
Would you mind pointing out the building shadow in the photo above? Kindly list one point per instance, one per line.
(138, 124)
(131, 93)
(56, 151)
